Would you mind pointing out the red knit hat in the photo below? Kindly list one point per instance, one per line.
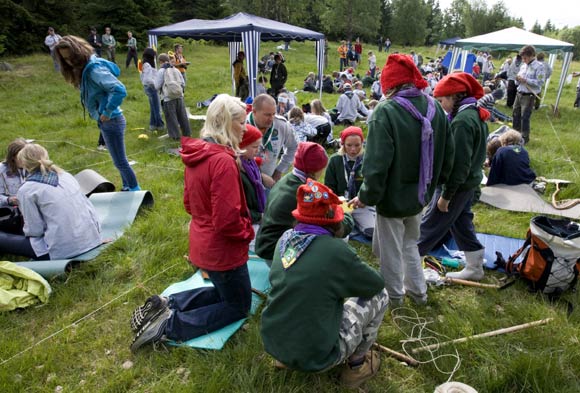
(317, 204)
(458, 82)
(310, 157)
(251, 135)
(351, 131)
(398, 70)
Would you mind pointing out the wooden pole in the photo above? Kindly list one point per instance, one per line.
(487, 334)
(397, 355)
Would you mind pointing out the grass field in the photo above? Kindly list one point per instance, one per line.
(93, 354)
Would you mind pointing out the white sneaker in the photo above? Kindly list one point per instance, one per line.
(101, 148)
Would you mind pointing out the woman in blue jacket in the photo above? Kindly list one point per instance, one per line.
(101, 95)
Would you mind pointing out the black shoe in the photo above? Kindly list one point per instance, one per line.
(142, 315)
(153, 332)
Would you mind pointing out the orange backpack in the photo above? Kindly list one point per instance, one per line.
(549, 259)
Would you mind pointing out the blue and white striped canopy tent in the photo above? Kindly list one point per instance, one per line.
(247, 30)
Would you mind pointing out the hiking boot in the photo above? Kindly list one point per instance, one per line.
(354, 377)
(153, 332)
(142, 315)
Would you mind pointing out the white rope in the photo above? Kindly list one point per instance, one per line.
(86, 316)
(562, 145)
(421, 336)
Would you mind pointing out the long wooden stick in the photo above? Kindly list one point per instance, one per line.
(397, 355)
(470, 283)
(487, 334)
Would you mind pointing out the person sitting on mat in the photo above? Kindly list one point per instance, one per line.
(309, 162)
(11, 177)
(220, 232)
(344, 176)
(251, 177)
(326, 305)
(511, 163)
(59, 221)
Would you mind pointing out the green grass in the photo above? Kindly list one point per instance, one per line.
(36, 103)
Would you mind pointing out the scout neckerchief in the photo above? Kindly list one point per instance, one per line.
(50, 178)
(350, 176)
(295, 241)
(426, 163)
(266, 139)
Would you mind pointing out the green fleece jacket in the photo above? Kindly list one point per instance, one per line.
(470, 134)
(303, 313)
(336, 178)
(278, 216)
(392, 158)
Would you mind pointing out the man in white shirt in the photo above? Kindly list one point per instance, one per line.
(51, 40)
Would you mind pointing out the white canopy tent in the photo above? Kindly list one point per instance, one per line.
(513, 39)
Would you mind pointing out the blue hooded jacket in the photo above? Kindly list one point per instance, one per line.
(101, 91)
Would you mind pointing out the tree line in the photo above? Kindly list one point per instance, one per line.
(23, 23)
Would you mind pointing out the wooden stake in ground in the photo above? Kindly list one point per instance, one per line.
(487, 334)
(397, 355)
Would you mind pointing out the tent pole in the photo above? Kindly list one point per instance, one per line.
(551, 60)
(565, 68)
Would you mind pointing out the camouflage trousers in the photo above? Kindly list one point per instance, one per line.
(361, 319)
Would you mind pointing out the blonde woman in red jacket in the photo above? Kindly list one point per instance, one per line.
(219, 235)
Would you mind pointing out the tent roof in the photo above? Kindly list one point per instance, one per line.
(513, 39)
(449, 41)
(230, 29)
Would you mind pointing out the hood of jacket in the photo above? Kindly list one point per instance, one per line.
(195, 151)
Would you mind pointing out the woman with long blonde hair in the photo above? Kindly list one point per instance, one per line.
(101, 95)
(59, 220)
(220, 232)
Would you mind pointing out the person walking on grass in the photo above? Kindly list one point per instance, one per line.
(450, 207)
(220, 232)
(131, 50)
(101, 95)
(148, 76)
(326, 305)
(109, 43)
(169, 81)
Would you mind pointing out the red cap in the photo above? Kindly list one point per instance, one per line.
(251, 135)
(310, 157)
(350, 131)
(459, 82)
(317, 204)
(399, 70)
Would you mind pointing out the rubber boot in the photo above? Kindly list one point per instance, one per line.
(473, 267)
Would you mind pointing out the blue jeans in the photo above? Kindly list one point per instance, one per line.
(203, 310)
(155, 119)
(113, 132)
(459, 219)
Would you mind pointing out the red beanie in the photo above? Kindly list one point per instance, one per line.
(317, 204)
(399, 70)
(351, 131)
(459, 82)
(310, 157)
(251, 135)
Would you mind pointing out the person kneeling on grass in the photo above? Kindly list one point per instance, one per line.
(220, 232)
(326, 305)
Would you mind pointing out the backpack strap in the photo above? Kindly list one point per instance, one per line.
(511, 267)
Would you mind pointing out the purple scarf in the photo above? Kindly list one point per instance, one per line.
(253, 172)
(465, 102)
(426, 163)
(311, 229)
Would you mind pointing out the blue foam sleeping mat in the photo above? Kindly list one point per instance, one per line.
(259, 273)
(492, 243)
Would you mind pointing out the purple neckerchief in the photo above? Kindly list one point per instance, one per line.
(311, 229)
(468, 101)
(253, 172)
(299, 174)
(426, 163)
